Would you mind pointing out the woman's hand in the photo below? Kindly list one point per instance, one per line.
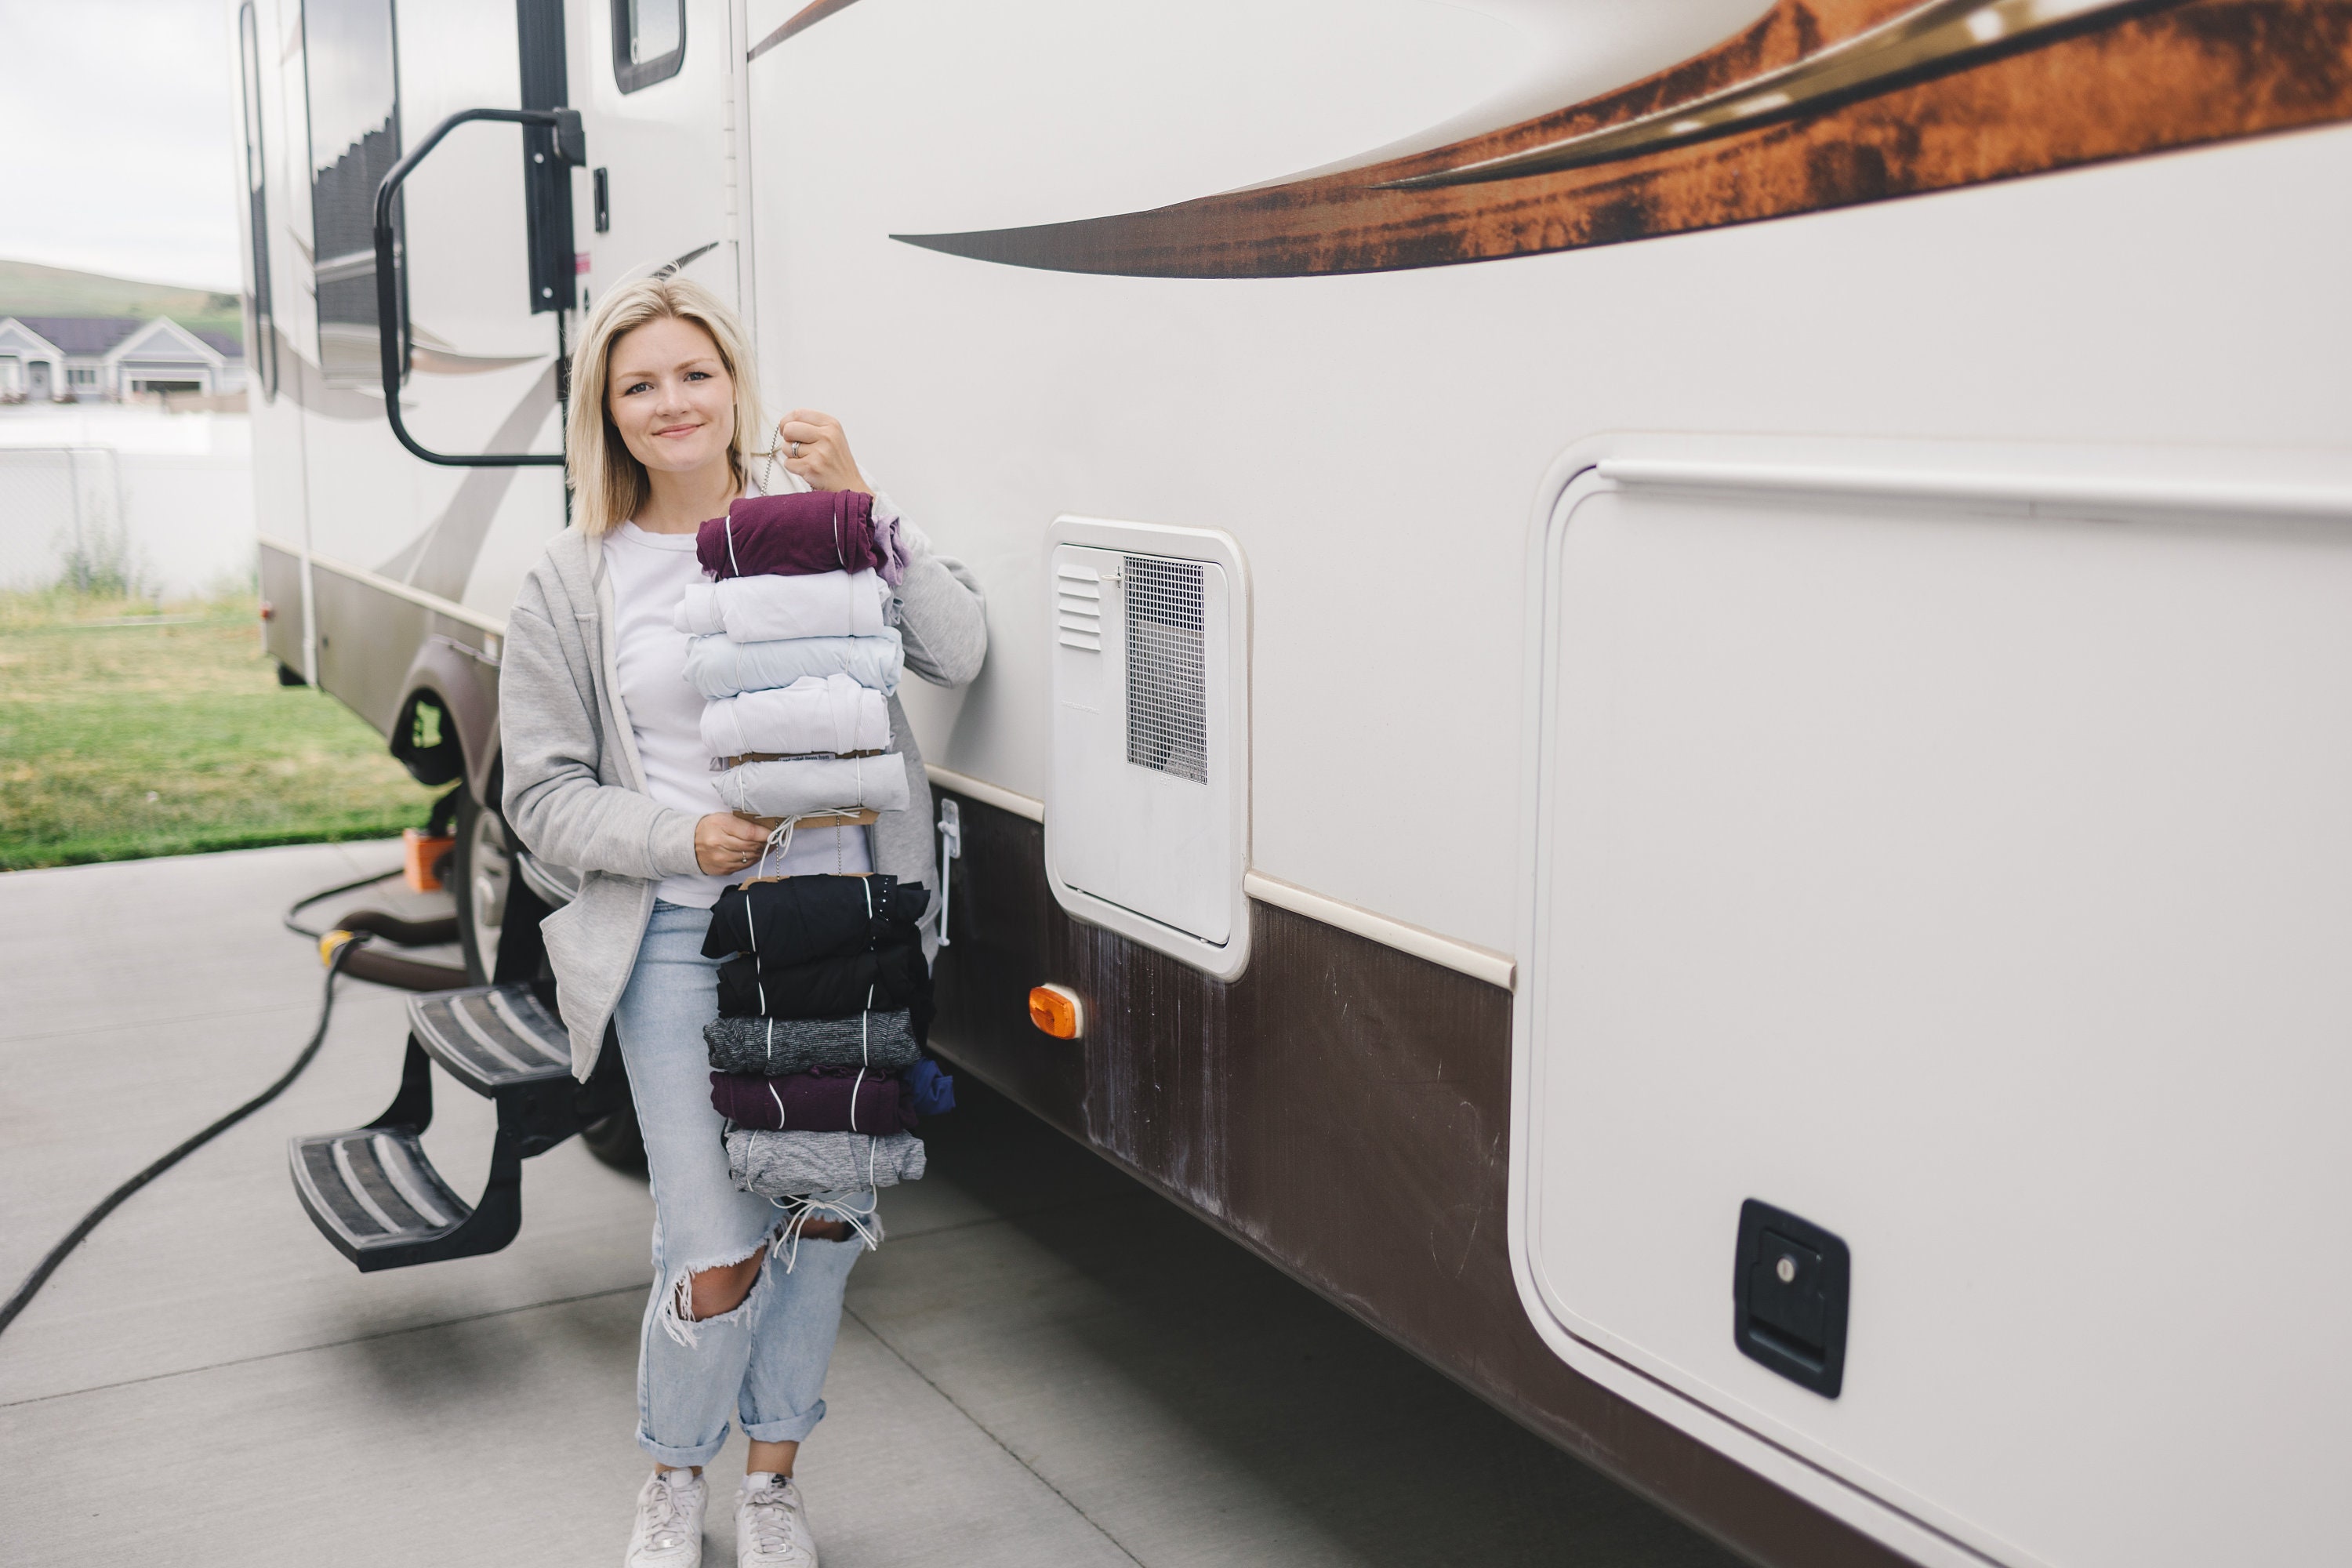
(816, 450)
(725, 843)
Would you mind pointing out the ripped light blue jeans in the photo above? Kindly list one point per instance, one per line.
(766, 1359)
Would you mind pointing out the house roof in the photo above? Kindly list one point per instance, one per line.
(162, 341)
(15, 337)
(84, 335)
(94, 335)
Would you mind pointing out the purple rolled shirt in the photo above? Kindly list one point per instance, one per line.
(821, 1100)
(799, 536)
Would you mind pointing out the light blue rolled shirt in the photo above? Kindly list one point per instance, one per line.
(718, 666)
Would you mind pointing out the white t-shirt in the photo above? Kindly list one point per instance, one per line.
(650, 574)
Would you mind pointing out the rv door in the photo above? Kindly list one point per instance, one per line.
(463, 297)
(658, 82)
(468, 316)
(448, 337)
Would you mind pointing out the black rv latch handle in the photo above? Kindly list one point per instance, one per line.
(570, 148)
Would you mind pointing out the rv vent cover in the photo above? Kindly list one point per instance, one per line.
(1147, 801)
(1167, 677)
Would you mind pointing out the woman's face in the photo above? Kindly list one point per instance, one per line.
(670, 396)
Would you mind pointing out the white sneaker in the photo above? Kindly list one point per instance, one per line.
(771, 1527)
(669, 1533)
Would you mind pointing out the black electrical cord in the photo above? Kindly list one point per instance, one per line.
(114, 1200)
(299, 905)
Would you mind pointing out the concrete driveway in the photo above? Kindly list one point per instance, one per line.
(1044, 1365)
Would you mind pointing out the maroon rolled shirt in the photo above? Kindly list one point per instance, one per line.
(815, 1102)
(794, 536)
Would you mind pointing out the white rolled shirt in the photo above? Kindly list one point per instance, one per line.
(766, 608)
(807, 787)
(817, 713)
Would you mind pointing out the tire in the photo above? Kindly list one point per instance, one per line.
(481, 879)
(617, 1141)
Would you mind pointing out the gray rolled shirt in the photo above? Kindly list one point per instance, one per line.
(575, 789)
(778, 1048)
(794, 1164)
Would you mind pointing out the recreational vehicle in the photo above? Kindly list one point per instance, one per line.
(1670, 681)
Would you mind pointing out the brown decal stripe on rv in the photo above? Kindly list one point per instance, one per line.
(800, 21)
(2063, 85)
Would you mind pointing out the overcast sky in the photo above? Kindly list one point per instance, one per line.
(119, 154)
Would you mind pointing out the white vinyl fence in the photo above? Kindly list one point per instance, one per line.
(127, 505)
(62, 520)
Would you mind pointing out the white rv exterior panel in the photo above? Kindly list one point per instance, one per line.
(1970, 874)
(1377, 442)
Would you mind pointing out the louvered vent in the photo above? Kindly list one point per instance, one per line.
(1167, 678)
(1077, 608)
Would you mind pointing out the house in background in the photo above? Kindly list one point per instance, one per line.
(57, 358)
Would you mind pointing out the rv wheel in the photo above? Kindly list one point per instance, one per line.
(617, 1140)
(481, 871)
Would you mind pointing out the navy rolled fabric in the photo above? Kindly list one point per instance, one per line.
(930, 1091)
(825, 1099)
(809, 918)
(800, 535)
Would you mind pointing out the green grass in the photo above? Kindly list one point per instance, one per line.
(118, 742)
(27, 290)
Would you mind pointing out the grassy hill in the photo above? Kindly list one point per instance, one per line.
(28, 289)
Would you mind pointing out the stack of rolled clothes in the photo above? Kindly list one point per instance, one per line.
(822, 1007)
(794, 656)
(816, 1053)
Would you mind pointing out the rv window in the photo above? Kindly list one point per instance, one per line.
(648, 41)
(355, 87)
(257, 212)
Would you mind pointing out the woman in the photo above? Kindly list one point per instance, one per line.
(605, 771)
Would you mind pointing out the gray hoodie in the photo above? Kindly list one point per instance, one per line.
(575, 789)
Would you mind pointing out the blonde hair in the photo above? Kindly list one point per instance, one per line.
(609, 485)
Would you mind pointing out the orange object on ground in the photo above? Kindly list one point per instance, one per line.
(1056, 1010)
(418, 852)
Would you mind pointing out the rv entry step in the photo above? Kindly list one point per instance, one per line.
(492, 1038)
(372, 1193)
(379, 1200)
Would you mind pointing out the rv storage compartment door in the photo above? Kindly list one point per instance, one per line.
(1964, 867)
(1143, 818)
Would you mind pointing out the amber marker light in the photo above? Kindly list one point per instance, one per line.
(1056, 1009)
